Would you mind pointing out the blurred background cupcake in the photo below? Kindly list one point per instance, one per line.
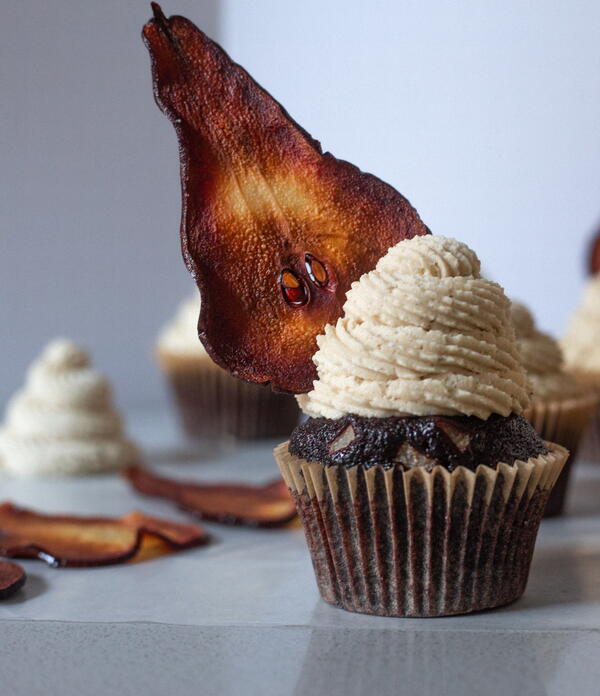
(561, 407)
(581, 346)
(210, 402)
(63, 420)
(581, 343)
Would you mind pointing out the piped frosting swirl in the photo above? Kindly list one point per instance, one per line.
(63, 420)
(422, 334)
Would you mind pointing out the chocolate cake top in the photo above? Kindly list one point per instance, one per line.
(425, 441)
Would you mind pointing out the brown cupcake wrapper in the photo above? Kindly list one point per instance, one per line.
(211, 403)
(565, 423)
(590, 379)
(590, 442)
(418, 543)
(589, 448)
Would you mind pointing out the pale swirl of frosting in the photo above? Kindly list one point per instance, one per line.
(543, 359)
(180, 335)
(63, 420)
(422, 334)
(581, 344)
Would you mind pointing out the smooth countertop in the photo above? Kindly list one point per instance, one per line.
(243, 615)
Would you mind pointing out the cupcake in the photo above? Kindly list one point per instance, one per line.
(561, 407)
(63, 421)
(210, 402)
(419, 483)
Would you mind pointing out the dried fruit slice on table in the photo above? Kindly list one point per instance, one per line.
(595, 255)
(12, 579)
(273, 229)
(267, 505)
(71, 540)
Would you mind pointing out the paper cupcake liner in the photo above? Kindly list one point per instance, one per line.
(591, 379)
(418, 543)
(590, 442)
(563, 422)
(213, 404)
(589, 449)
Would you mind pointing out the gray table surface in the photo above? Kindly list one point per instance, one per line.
(243, 615)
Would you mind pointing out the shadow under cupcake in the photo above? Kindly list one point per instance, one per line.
(419, 484)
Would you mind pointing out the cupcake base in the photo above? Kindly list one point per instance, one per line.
(563, 422)
(213, 404)
(590, 442)
(416, 543)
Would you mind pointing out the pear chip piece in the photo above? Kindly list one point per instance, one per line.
(267, 505)
(72, 540)
(273, 229)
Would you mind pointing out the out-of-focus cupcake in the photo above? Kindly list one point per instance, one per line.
(63, 421)
(419, 483)
(561, 407)
(210, 402)
(581, 346)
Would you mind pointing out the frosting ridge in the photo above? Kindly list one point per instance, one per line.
(422, 334)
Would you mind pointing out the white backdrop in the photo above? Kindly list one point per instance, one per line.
(486, 115)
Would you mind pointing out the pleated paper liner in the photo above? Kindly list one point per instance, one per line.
(589, 448)
(213, 404)
(565, 423)
(417, 543)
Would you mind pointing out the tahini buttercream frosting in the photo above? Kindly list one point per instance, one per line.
(63, 420)
(422, 334)
(581, 344)
(543, 359)
(180, 335)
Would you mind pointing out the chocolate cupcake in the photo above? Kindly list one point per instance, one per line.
(561, 406)
(419, 483)
(210, 402)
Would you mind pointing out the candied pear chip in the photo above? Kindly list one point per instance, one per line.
(267, 505)
(12, 579)
(595, 255)
(72, 540)
(273, 229)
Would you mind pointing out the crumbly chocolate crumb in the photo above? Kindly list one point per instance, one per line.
(426, 441)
